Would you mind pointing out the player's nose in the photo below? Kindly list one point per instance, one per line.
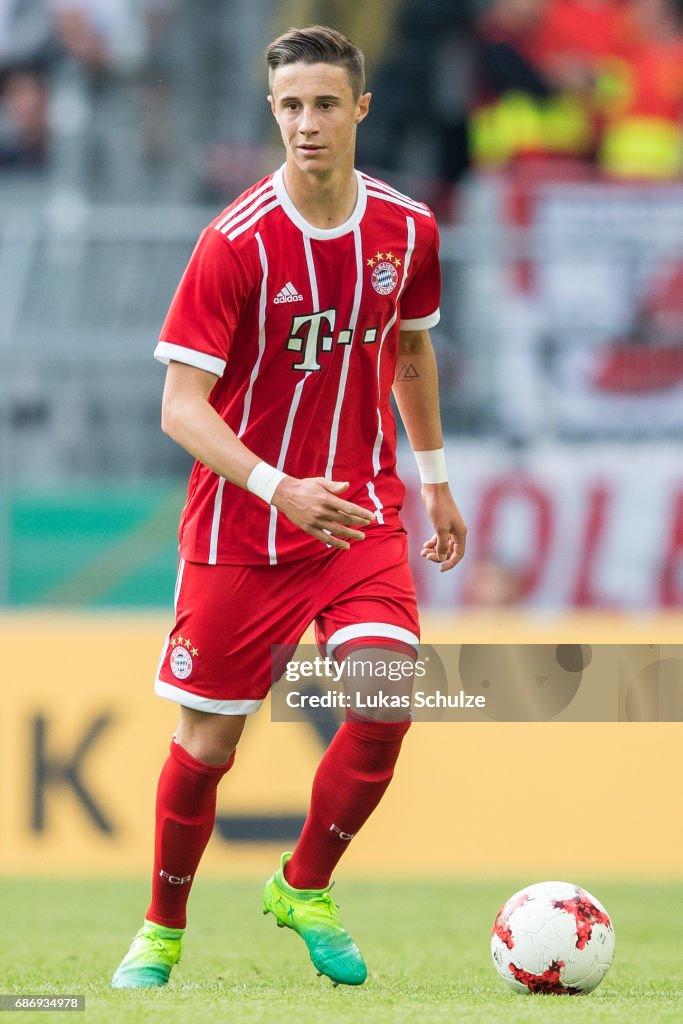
(307, 123)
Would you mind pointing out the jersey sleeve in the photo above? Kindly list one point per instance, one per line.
(419, 305)
(200, 325)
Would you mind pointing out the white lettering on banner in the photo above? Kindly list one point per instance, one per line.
(582, 526)
(600, 296)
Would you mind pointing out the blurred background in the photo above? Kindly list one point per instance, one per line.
(547, 135)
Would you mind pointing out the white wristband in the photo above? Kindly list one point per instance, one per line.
(263, 480)
(432, 466)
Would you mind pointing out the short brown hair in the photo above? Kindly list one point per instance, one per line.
(318, 44)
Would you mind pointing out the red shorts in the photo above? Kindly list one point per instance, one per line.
(217, 657)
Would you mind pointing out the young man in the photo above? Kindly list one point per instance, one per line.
(300, 305)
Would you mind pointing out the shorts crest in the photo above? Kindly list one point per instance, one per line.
(182, 653)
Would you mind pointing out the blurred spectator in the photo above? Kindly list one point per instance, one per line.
(421, 95)
(492, 584)
(579, 44)
(522, 108)
(643, 135)
(575, 36)
(26, 50)
(106, 33)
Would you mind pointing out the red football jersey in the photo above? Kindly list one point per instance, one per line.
(300, 324)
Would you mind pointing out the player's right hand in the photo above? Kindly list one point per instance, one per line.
(313, 504)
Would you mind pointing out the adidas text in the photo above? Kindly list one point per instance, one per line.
(288, 294)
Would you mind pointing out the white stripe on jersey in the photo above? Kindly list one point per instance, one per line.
(381, 186)
(399, 202)
(232, 221)
(311, 272)
(216, 522)
(261, 212)
(334, 431)
(245, 202)
(375, 501)
(272, 547)
(178, 582)
(410, 225)
(286, 437)
(261, 334)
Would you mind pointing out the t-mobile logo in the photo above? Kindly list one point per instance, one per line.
(175, 879)
(342, 835)
(314, 341)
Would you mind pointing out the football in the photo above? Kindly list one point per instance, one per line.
(553, 938)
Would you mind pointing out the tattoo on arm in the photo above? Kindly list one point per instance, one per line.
(406, 372)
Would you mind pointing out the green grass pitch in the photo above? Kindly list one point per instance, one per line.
(426, 943)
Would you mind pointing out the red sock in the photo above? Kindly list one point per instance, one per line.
(350, 781)
(185, 815)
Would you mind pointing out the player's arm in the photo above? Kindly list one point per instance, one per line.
(417, 397)
(313, 504)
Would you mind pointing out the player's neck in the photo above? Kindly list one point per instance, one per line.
(325, 201)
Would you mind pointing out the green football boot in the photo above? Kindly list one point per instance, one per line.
(152, 954)
(314, 915)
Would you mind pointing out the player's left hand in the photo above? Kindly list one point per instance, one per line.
(447, 545)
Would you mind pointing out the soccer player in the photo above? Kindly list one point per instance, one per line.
(304, 303)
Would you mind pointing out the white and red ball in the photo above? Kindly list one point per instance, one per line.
(552, 937)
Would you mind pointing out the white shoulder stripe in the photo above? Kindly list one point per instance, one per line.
(232, 222)
(399, 202)
(245, 202)
(261, 212)
(382, 186)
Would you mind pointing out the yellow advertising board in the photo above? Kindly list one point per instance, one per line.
(82, 739)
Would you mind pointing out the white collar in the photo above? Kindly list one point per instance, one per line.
(308, 229)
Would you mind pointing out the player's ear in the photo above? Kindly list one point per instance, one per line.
(272, 103)
(363, 107)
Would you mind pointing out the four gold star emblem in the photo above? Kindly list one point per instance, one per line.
(184, 641)
(383, 257)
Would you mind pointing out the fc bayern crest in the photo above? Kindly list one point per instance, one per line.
(182, 653)
(181, 663)
(384, 278)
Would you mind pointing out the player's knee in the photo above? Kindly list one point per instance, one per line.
(378, 682)
(215, 754)
(209, 738)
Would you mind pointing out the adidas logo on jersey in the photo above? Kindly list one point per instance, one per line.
(288, 294)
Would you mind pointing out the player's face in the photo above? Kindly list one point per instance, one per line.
(317, 113)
